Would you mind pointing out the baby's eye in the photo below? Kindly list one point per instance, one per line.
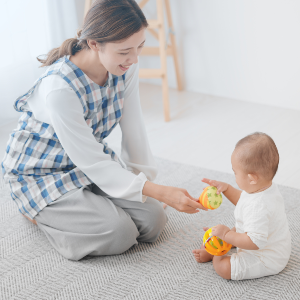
(124, 53)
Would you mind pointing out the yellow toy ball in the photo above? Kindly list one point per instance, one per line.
(210, 199)
(214, 245)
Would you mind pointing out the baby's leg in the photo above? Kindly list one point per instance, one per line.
(233, 229)
(222, 266)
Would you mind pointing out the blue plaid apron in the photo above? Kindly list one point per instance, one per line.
(35, 164)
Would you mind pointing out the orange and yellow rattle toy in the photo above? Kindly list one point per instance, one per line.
(214, 245)
(209, 198)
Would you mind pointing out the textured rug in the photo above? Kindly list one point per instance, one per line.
(31, 269)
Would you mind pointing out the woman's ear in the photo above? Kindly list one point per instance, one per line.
(93, 45)
(253, 178)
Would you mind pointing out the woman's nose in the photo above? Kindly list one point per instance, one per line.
(133, 58)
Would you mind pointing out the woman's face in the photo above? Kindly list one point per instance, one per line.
(119, 56)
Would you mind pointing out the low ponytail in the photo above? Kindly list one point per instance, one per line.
(106, 21)
(68, 47)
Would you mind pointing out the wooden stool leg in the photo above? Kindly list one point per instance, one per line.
(163, 59)
(173, 45)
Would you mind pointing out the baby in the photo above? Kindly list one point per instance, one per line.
(261, 233)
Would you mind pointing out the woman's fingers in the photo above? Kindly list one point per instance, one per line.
(192, 198)
(195, 204)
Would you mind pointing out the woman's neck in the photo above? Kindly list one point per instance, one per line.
(88, 61)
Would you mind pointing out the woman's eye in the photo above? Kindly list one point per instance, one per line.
(124, 53)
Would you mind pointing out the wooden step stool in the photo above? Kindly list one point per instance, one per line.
(163, 50)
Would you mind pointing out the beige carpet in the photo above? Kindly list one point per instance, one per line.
(31, 269)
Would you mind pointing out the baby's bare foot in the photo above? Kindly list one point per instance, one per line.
(202, 256)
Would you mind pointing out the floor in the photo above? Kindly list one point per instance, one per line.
(204, 130)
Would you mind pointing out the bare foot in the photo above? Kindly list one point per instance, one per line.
(202, 256)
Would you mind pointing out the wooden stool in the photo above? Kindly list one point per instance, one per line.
(163, 50)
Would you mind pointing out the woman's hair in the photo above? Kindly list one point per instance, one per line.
(106, 21)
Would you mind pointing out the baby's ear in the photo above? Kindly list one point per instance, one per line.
(253, 178)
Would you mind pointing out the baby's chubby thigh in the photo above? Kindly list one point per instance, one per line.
(246, 265)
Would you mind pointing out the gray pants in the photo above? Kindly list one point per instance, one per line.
(85, 221)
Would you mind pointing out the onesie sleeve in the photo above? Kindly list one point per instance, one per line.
(135, 149)
(76, 137)
(256, 222)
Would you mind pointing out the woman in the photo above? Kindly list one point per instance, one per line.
(62, 174)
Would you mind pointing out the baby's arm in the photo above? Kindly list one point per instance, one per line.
(240, 240)
(232, 194)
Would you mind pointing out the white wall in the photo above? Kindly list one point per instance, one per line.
(241, 49)
(30, 28)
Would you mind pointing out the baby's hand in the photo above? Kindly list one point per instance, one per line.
(220, 231)
(221, 186)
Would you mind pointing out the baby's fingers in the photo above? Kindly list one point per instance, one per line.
(210, 181)
(206, 180)
(219, 190)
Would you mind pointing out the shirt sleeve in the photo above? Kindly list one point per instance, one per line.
(256, 223)
(135, 149)
(76, 137)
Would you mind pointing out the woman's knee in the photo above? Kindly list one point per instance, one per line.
(123, 228)
(153, 222)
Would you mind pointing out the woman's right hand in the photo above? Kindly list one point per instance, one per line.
(221, 186)
(175, 197)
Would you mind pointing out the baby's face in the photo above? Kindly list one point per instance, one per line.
(241, 177)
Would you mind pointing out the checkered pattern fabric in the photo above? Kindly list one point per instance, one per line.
(35, 165)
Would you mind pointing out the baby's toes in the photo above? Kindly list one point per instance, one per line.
(198, 259)
(197, 255)
(197, 251)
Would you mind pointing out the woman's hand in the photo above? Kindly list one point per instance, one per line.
(177, 198)
(221, 186)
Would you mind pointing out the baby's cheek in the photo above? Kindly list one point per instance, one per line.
(239, 181)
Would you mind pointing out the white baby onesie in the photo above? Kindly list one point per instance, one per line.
(262, 215)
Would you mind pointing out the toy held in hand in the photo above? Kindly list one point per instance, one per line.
(214, 245)
(210, 199)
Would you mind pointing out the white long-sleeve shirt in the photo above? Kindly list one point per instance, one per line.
(54, 102)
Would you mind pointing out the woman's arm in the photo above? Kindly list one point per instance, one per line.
(86, 153)
(135, 151)
(178, 198)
